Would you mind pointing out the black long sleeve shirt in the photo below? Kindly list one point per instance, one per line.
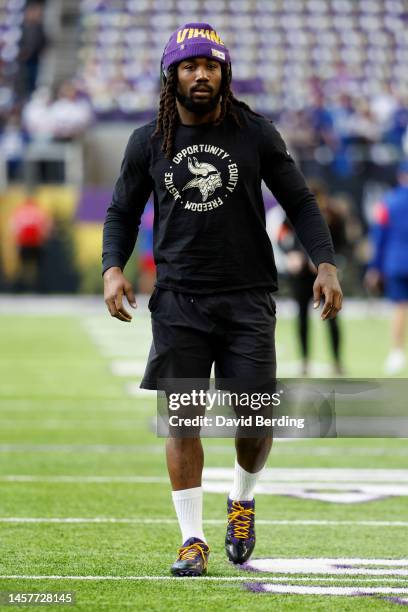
(209, 216)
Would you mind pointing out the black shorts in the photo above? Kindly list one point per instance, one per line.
(234, 330)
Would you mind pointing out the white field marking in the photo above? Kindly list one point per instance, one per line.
(372, 492)
(111, 331)
(138, 328)
(83, 448)
(167, 521)
(117, 352)
(135, 342)
(352, 493)
(75, 306)
(128, 368)
(328, 478)
(327, 590)
(136, 345)
(95, 309)
(87, 479)
(126, 352)
(111, 325)
(98, 323)
(333, 566)
(70, 423)
(69, 406)
(294, 368)
(278, 440)
(332, 475)
(134, 390)
(115, 340)
(299, 450)
(332, 485)
(127, 343)
(188, 580)
(327, 451)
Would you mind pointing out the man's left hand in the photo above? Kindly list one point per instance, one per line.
(327, 285)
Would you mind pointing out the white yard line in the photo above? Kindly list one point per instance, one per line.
(188, 580)
(74, 423)
(167, 521)
(86, 479)
(134, 390)
(284, 449)
(317, 590)
(93, 306)
(128, 368)
(328, 451)
(332, 475)
(83, 448)
(380, 480)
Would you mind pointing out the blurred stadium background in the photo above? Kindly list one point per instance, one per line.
(78, 451)
(76, 77)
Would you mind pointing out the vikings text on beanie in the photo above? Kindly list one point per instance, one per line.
(194, 40)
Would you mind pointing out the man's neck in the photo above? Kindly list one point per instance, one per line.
(189, 118)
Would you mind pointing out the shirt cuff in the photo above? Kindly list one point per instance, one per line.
(327, 257)
(110, 262)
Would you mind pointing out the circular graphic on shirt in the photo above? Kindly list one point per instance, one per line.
(201, 177)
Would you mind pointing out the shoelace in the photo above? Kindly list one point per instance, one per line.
(188, 553)
(240, 518)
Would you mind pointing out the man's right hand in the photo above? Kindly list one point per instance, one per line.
(115, 287)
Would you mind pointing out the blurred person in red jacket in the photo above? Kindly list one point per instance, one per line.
(30, 226)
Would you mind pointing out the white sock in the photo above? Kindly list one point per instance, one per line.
(189, 509)
(244, 484)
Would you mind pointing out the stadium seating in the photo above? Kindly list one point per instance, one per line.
(276, 47)
(11, 19)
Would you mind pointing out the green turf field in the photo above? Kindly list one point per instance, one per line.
(85, 504)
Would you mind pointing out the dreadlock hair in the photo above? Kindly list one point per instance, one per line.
(168, 117)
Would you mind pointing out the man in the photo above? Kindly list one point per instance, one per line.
(204, 158)
(389, 264)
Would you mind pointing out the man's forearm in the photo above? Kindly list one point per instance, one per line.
(312, 231)
(119, 237)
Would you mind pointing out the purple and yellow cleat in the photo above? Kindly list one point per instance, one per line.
(192, 559)
(240, 538)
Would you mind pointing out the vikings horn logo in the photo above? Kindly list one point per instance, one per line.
(206, 178)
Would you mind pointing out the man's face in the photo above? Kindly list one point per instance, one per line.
(199, 84)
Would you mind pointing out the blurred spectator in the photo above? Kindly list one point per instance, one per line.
(32, 44)
(299, 132)
(31, 227)
(398, 127)
(6, 98)
(37, 115)
(389, 263)
(342, 112)
(321, 121)
(70, 113)
(363, 126)
(383, 106)
(65, 118)
(302, 273)
(12, 143)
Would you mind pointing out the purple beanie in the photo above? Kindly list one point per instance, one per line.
(193, 40)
